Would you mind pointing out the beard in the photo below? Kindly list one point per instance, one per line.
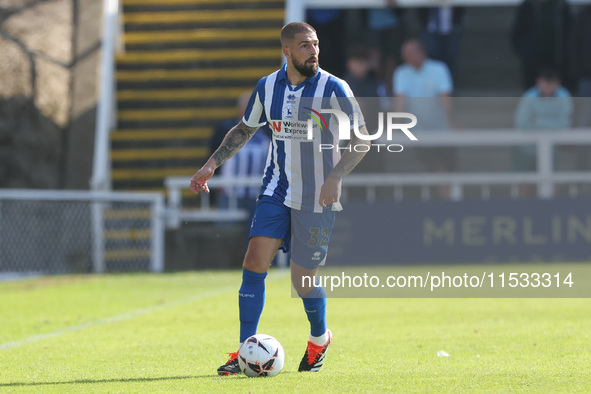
(306, 70)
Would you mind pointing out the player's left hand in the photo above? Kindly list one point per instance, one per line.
(329, 193)
(199, 180)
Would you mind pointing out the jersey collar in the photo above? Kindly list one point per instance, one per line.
(308, 81)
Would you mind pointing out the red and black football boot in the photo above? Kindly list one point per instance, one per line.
(231, 367)
(314, 357)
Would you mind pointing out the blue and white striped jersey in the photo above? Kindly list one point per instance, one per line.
(296, 167)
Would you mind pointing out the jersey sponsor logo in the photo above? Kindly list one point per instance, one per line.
(276, 126)
(289, 130)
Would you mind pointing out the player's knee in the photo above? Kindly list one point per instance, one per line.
(254, 262)
(303, 280)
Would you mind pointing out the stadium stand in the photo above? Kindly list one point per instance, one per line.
(184, 65)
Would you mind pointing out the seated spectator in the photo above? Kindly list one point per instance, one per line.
(423, 87)
(365, 84)
(547, 106)
(535, 112)
(385, 32)
(359, 75)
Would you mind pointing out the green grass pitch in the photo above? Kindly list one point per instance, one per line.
(169, 332)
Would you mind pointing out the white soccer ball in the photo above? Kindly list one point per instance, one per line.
(261, 355)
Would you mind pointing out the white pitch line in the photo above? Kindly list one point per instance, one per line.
(124, 316)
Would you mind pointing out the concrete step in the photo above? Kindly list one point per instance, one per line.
(213, 24)
(274, 63)
(153, 154)
(187, 134)
(177, 104)
(200, 35)
(220, 113)
(167, 57)
(167, 85)
(227, 74)
(187, 5)
(155, 95)
(226, 17)
(141, 124)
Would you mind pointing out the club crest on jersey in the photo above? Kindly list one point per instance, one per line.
(289, 112)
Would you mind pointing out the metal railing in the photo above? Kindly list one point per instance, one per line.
(545, 177)
(62, 231)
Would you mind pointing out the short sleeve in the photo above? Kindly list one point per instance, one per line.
(254, 116)
(345, 100)
(400, 87)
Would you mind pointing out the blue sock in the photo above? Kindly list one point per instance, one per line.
(315, 306)
(251, 300)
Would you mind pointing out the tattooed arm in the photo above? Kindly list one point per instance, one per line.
(235, 139)
(329, 193)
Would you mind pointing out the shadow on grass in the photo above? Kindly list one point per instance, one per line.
(92, 381)
(124, 380)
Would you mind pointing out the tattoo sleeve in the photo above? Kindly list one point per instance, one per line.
(235, 139)
(351, 157)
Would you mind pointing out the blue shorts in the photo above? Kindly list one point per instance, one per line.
(308, 232)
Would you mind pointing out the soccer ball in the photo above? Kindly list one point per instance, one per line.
(261, 355)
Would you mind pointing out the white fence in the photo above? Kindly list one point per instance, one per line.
(545, 177)
(56, 232)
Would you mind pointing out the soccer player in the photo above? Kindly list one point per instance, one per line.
(301, 184)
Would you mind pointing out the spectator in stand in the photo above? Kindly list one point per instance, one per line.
(423, 87)
(249, 161)
(442, 33)
(580, 55)
(384, 37)
(371, 95)
(330, 25)
(539, 37)
(545, 107)
(580, 51)
(361, 78)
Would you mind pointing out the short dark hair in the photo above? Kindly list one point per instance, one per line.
(291, 29)
(549, 74)
(359, 52)
(418, 43)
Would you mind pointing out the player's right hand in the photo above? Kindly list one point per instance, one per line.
(199, 180)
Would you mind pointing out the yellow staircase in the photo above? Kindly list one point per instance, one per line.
(185, 64)
(127, 239)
